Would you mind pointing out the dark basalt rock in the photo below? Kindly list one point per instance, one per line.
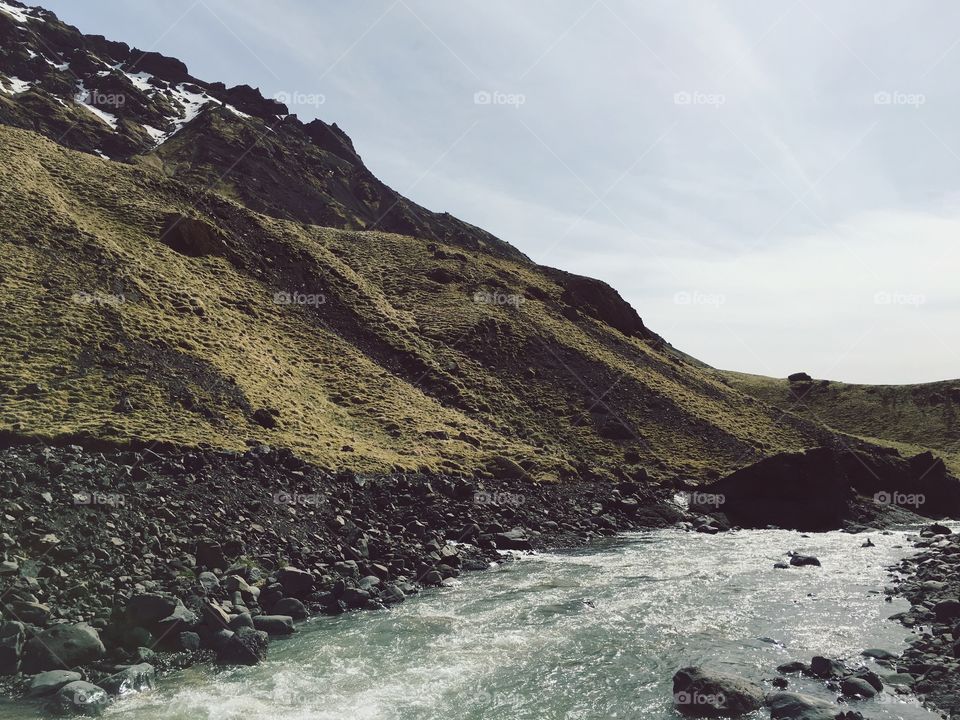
(600, 301)
(191, 237)
(821, 488)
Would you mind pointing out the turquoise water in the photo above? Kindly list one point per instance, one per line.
(596, 633)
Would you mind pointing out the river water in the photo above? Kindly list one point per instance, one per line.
(594, 633)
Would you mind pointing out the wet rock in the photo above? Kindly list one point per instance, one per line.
(274, 624)
(189, 642)
(244, 647)
(795, 706)
(697, 691)
(62, 647)
(130, 679)
(47, 683)
(515, 539)
(80, 698)
(857, 688)
(878, 654)
(793, 667)
(825, 668)
(804, 560)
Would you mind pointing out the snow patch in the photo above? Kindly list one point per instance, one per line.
(82, 98)
(158, 135)
(141, 81)
(17, 85)
(18, 14)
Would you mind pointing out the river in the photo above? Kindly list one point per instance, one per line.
(593, 633)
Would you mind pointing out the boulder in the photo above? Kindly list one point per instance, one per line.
(292, 607)
(947, 610)
(12, 636)
(62, 647)
(147, 608)
(857, 688)
(245, 647)
(824, 668)
(130, 679)
(47, 683)
(274, 624)
(80, 698)
(803, 560)
(697, 691)
(799, 377)
(515, 539)
(296, 583)
(794, 706)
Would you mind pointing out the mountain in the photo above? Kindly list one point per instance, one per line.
(187, 264)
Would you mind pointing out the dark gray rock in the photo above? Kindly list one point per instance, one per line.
(804, 560)
(292, 607)
(274, 624)
(130, 679)
(62, 647)
(47, 683)
(245, 647)
(12, 636)
(80, 698)
(147, 608)
(794, 706)
(825, 668)
(857, 687)
(296, 583)
(697, 691)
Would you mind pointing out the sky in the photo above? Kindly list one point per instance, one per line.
(774, 186)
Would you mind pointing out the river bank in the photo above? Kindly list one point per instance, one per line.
(930, 580)
(129, 563)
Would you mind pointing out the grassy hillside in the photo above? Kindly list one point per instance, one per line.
(910, 417)
(380, 351)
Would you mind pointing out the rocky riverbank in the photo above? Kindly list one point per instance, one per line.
(118, 565)
(930, 580)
